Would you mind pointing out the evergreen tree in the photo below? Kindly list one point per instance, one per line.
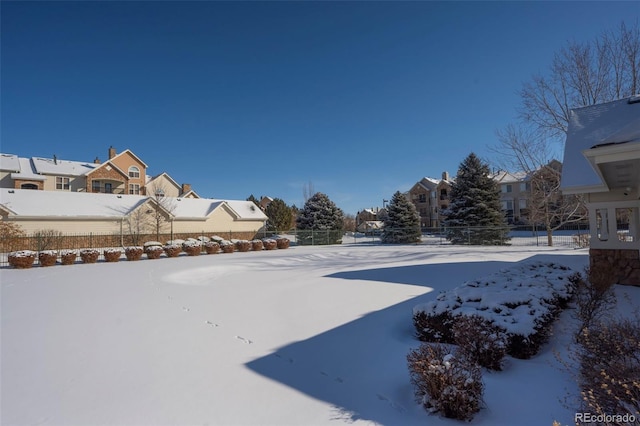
(475, 215)
(319, 214)
(279, 215)
(402, 223)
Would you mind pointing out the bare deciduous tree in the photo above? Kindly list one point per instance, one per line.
(582, 74)
(524, 149)
(161, 216)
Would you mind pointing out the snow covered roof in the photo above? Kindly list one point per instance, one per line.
(27, 171)
(30, 203)
(594, 127)
(246, 210)
(52, 166)
(509, 177)
(9, 162)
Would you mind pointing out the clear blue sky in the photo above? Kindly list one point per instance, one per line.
(359, 98)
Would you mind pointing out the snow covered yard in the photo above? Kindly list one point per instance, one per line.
(308, 335)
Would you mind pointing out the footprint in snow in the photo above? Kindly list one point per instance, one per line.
(290, 360)
(212, 324)
(243, 340)
(337, 379)
(391, 403)
(184, 308)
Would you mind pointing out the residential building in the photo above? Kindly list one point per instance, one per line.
(515, 193)
(84, 213)
(431, 198)
(369, 220)
(124, 173)
(602, 162)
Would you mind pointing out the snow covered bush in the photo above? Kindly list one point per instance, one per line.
(133, 252)
(22, 259)
(218, 239)
(176, 242)
(203, 238)
(521, 301)
(445, 382)
(89, 255)
(112, 254)
(282, 243)
(480, 341)
(243, 245)
(609, 358)
(227, 246)
(269, 244)
(192, 247)
(68, 257)
(153, 251)
(48, 257)
(211, 247)
(256, 245)
(172, 250)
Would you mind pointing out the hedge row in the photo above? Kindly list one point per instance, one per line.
(25, 259)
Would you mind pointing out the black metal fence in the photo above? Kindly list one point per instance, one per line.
(568, 237)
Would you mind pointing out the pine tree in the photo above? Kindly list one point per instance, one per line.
(402, 223)
(319, 221)
(475, 215)
(279, 215)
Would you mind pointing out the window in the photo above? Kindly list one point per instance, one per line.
(62, 183)
(507, 205)
(525, 186)
(522, 203)
(134, 172)
(134, 189)
(422, 198)
(507, 188)
(95, 186)
(28, 186)
(159, 192)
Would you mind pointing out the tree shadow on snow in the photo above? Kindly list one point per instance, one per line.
(360, 367)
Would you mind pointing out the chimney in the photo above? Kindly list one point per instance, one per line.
(112, 152)
(186, 187)
(96, 161)
(55, 159)
(445, 175)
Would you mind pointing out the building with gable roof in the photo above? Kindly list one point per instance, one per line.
(602, 162)
(124, 173)
(431, 198)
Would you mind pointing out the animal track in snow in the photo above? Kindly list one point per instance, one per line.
(212, 324)
(243, 340)
(184, 308)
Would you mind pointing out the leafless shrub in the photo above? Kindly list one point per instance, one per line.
(480, 341)
(609, 356)
(445, 382)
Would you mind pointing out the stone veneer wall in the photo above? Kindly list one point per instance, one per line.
(626, 262)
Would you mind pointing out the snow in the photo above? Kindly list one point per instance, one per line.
(611, 122)
(515, 299)
(24, 202)
(307, 335)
